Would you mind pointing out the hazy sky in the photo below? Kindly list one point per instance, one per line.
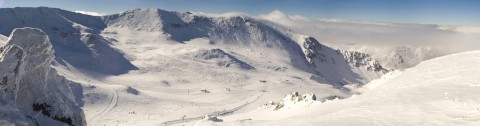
(450, 12)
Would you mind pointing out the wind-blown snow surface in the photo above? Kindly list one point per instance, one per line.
(441, 91)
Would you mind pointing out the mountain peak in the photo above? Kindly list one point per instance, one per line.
(31, 85)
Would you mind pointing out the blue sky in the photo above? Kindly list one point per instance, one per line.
(450, 12)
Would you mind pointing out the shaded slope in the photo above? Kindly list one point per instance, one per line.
(73, 36)
(32, 86)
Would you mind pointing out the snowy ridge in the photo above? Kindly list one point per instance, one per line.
(341, 67)
(74, 38)
(31, 87)
(138, 19)
(398, 57)
(233, 30)
(76, 35)
(239, 31)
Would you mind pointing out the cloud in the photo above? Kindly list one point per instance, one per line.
(228, 14)
(283, 19)
(90, 13)
(363, 32)
(463, 29)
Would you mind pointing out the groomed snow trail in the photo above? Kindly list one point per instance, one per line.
(216, 113)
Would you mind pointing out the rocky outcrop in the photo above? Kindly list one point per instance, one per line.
(294, 100)
(30, 87)
(359, 59)
(340, 67)
(312, 48)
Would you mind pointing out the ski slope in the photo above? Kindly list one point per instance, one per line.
(441, 91)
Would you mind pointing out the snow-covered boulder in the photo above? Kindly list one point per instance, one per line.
(30, 86)
(293, 100)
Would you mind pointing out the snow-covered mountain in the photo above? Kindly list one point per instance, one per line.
(74, 38)
(397, 57)
(239, 31)
(341, 67)
(170, 62)
(440, 91)
(32, 92)
(77, 42)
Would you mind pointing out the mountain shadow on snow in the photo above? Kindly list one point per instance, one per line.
(74, 37)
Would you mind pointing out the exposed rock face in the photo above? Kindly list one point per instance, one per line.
(30, 86)
(359, 59)
(398, 57)
(341, 67)
(295, 100)
(312, 46)
(11, 61)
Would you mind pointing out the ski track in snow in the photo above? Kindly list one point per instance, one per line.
(110, 106)
(216, 113)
